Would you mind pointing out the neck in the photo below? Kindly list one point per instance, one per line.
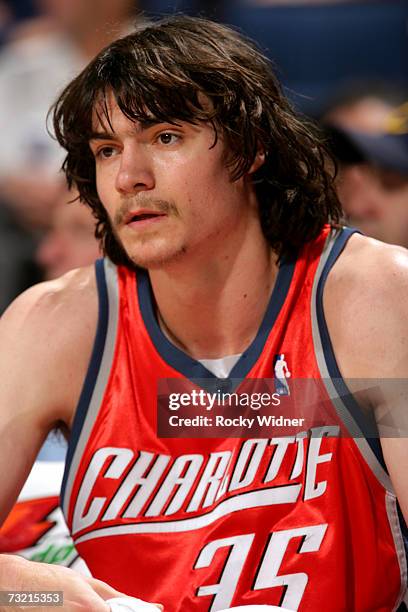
(213, 304)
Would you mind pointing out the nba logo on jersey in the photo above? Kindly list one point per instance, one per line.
(282, 373)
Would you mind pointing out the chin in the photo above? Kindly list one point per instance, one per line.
(153, 257)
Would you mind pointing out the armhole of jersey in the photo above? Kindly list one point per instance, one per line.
(97, 375)
(346, 405)
(348, 410)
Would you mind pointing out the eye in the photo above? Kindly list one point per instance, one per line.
(105, 152)
(168, 138)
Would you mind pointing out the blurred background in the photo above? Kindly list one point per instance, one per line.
(342, 63)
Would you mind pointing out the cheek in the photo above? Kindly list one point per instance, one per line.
(100, 187)
(211, 184)
(106, 192)
(398, 202)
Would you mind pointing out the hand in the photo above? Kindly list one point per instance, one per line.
(131, 604)
(81, 593)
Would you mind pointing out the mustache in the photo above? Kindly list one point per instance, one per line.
(167, 207)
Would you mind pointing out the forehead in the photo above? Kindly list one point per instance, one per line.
(106, 113)
(107, 117)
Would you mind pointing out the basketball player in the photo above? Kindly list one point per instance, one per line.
(213, 203)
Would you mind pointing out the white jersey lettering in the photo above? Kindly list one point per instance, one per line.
(203, 481)
(278, 543)
(137, 478)
(224, 590)
(244, 472)
(313, 489)
(122, 458)
(210, 480)
(190, 465)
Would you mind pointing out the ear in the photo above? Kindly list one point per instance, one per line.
(258, 161)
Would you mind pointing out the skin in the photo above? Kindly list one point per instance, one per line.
(374, 199)
(207, 251)
(373, 204)
(369, 114)
(69, 242)
(136, 170)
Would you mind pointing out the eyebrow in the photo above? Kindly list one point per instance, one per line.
(101, 136)
(144, 124)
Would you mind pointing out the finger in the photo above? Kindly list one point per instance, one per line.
(104, 590)
(92, 602)
(132, 604)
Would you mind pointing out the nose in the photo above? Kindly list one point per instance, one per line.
(135, 172)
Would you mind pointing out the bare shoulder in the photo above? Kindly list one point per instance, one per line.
(369, 263)
(49, 298)
(366, 308)
(48, 333)
(46, 338)
(54, 310)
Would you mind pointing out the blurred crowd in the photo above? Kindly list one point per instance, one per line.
(355, 89)
(39, 55)
(368, 132)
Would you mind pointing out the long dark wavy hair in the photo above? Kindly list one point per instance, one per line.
(168, 70)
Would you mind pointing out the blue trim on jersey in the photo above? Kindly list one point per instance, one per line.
(93, 369)
(366, 425)
(192, 368)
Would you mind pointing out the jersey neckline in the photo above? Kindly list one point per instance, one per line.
(193, 369)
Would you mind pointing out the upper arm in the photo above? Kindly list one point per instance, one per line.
(41, 371)
(366, 307)
(23, 403)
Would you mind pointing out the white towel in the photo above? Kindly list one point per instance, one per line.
(130, 604)
(260, 608)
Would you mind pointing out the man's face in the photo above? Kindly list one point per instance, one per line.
(376, 202)
(166, 189)
(70, 241)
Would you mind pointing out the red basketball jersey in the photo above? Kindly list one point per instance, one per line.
(306, 522)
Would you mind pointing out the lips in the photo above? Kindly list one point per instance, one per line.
(142, 215)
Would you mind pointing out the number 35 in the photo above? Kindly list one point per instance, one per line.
(267, 573)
